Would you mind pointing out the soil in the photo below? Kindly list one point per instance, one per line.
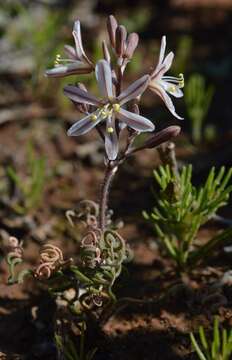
(160, 307)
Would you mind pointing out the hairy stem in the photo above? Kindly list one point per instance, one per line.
(109, 175)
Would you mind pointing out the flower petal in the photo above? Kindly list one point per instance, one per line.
(171, 88)
(166, 98)
(105, 51)
(167, 63)
(104, 78)
(76, 67)
(159, 66)
(162, 50)
(111, 139)
(78, 40)
(84, 125)
(134, 90)
(161, 69)
(80, 96)
(164, 64)
(135, 121)
(70, 51)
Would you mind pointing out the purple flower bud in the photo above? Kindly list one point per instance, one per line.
(158, 138)
(162, 136)
(105, 51)
(131, 45)
(111, 27)
(121, 34)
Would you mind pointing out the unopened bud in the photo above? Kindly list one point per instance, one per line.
(105, 51)
(111, 27)
(131, 45)
(121, 34)
(162, 136)
(158, 138)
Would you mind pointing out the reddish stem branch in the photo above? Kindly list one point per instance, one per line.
(109, 175)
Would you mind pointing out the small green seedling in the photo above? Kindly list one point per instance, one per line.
(183, 54)
(182, 209)
(219, 348)
(69, 351)
(198, 98)
(31, 188)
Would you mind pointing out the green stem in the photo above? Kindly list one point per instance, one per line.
(197, 131)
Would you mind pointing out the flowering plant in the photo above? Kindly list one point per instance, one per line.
(116, 107)
(116, 110)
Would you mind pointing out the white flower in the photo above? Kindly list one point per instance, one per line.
(77, 61)
(110, 108)
(164, 85)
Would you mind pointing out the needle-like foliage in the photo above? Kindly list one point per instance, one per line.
(218, 348)
(198, 98)
(69, 351)
(182, 209)
(30, 189)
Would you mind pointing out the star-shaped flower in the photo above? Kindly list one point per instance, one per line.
(110, 108)
(77, 61)
(164, 85)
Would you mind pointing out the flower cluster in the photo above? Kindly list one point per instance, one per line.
(116, 108)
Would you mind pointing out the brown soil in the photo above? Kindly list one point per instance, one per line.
(157, 308)
(161, 308)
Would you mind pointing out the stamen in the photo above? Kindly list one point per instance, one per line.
(104, 114)
(116, 107)
(110, 130)
(171, 79)
(175, 80)
(172, 89)
(181, 82)
(93, 117)
(61, 60)
(56, 62)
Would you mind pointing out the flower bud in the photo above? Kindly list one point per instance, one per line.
(105, 51)
(162, 136)
(131, 45)
(111, 27)
(158, 138)
(121, 34)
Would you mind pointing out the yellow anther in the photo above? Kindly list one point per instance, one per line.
(181, 82)
(172, 89)
(93, 117)
(116, 107)
(57, 61)
(110, 130)
(104, 113)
